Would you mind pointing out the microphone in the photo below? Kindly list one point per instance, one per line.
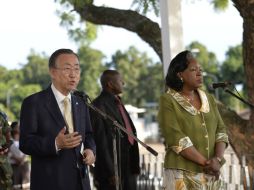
(80, 94)
(221, 84)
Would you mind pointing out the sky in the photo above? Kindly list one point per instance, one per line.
(33, 24)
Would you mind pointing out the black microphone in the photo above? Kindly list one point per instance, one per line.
(80, 94)
(221, 84)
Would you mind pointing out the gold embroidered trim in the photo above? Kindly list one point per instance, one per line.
(205, 108)
(183, 144)
(221, 137)
(187, 106)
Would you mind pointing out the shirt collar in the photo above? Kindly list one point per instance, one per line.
(187, 106)
(59, 96)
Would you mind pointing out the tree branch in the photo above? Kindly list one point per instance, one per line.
(146, 29)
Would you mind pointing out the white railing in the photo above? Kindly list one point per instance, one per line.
(235, 174)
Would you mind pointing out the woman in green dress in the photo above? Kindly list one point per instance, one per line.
(191, 125)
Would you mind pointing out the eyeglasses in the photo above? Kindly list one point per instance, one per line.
(69, 70)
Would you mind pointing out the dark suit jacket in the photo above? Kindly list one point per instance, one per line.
(129, 157)
(40, 122)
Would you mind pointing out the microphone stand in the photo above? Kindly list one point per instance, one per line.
(118, 126)
(118, 176)
(238, 97)
(115, 123)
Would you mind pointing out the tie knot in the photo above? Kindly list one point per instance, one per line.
(66, 100)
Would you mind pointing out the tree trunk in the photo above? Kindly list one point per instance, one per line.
(247, 13)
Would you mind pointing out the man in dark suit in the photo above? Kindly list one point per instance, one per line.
(58, 136)
(127, 149)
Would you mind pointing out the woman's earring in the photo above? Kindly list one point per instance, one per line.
(181, 79)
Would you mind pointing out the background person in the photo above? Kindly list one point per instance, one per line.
(5, 167)
(55, 129)
(18, 160)
(128, 152)
(194, 132)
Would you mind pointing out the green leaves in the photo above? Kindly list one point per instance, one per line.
(143, 78)
(91, 66)
(220, 4)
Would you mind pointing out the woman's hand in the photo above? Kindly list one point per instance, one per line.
(212, 167)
